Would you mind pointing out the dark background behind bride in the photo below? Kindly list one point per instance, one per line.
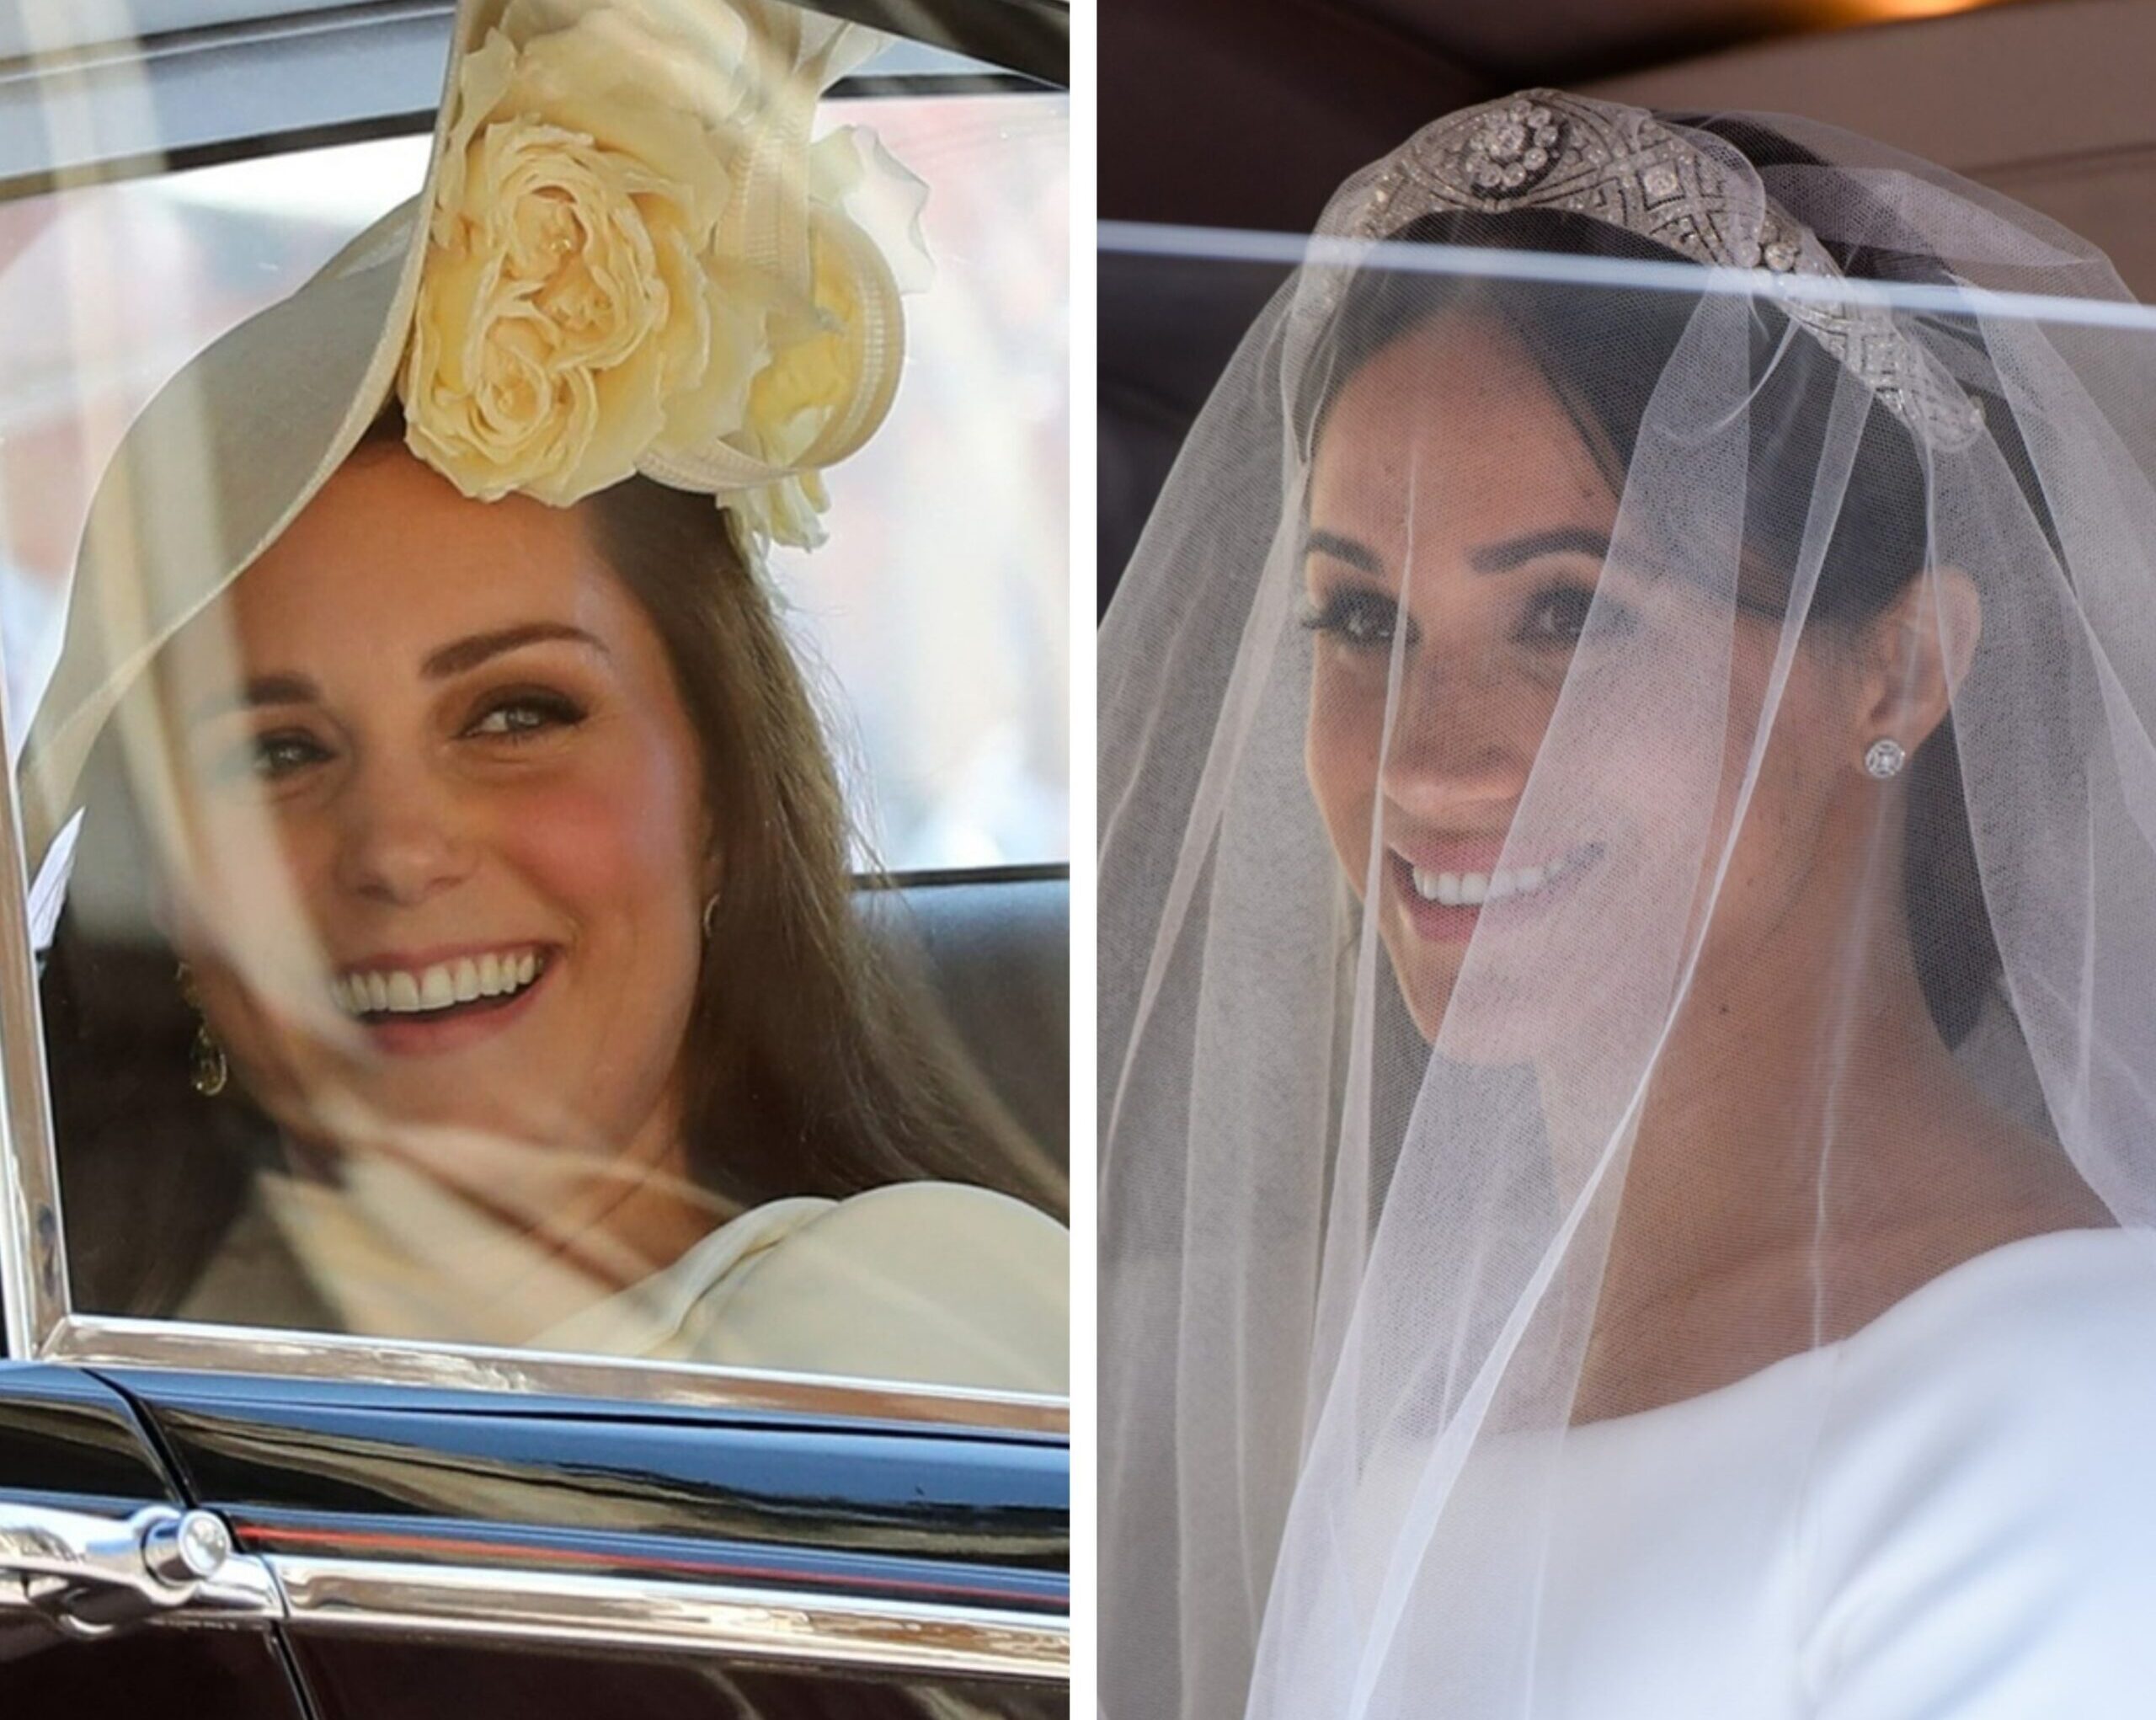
(2044, 99)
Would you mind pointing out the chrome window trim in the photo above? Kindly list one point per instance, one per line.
(376, 1597)
(268, 1353)
(33, 1250)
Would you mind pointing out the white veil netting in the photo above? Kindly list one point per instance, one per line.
(1628, 851)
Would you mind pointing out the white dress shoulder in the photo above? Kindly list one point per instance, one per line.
(935, 1283)
(929, 1283)
(1949, 1515)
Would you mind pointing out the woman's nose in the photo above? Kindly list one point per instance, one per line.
(403, 835)
(1461, 739)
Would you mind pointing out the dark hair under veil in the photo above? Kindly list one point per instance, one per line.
(1605, 379)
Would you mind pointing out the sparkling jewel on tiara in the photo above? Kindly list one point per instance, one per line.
(1543, 149)
(1512, 147)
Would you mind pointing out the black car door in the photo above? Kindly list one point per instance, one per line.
(417, 1550)
(89, 1520)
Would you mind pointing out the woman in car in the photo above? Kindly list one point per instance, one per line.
(423, 656)
(1629, 907)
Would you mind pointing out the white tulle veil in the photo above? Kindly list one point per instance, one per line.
(1390, 1200)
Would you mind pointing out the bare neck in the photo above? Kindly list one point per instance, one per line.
(1785, 1181)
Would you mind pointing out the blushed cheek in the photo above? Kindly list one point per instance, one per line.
(617, 840)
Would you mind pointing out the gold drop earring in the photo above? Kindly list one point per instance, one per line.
(207, 1070)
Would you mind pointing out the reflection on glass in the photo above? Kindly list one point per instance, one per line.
(460, 940)
(935, 616)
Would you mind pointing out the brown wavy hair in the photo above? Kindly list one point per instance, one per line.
(822, 1064)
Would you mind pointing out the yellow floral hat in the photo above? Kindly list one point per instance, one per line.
(629, 256)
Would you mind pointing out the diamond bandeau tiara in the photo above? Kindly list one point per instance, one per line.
(1543, 149)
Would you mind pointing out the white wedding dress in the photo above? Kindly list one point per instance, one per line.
(1949, 1515)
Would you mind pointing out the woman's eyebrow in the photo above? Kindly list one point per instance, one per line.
(1341, 549)
(1518, 551)
(468, 653)
(259, 689)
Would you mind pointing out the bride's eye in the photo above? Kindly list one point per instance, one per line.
(1353, 616)
(1558, 616)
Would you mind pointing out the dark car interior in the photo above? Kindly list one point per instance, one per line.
(997, 949)
(1245, 116)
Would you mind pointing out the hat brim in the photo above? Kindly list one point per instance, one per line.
(220, 462)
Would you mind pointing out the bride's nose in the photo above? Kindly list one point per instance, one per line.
(1463, 733)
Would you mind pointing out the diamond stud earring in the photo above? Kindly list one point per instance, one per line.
(1885, 757)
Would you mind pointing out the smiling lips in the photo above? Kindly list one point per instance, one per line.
(1471, 889)
(1447, 905)
(439, 986)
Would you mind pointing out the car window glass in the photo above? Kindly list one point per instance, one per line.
(464, 926)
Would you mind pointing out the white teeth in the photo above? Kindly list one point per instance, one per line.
(1471, 889)
(440, 986)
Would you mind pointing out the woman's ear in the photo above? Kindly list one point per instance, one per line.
(1917, 653)
(714, 880)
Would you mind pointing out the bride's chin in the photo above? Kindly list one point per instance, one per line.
(1480, 1021)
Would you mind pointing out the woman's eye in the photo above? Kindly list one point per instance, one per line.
(274, 756)
(1355, 618)
(1559, 617)
(526, 714)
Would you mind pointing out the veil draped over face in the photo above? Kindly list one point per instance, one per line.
(1628, 853)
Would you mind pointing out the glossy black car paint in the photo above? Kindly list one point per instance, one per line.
(866, 1510)
(67, 1439)
(70, 1441)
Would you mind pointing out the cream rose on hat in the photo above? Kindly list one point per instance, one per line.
(630, 255)
(590, 305)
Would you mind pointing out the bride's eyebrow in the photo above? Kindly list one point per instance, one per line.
(1345, 550)
(1518, 551)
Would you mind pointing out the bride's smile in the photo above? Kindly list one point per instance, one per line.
(1450, 901)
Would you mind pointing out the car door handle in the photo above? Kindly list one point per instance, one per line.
(91, 1574)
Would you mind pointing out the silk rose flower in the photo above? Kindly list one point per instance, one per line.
(574, 319)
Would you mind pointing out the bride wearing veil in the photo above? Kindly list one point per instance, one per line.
(1628, 884)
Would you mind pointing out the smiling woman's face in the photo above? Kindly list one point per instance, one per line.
(446, 822)
(1459, 585)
